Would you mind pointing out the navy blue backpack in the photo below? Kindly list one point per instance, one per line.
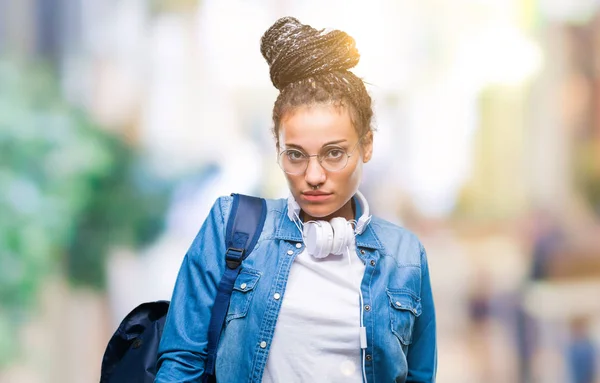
(131, 353)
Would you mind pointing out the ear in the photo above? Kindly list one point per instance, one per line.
(367, 146)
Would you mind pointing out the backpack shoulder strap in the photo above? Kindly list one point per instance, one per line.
(246, 221)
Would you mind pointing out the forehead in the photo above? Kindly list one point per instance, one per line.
(315, 125)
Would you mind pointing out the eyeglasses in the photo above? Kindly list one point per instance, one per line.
(332, 158)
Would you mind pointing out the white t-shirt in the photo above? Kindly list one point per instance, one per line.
(316, 338)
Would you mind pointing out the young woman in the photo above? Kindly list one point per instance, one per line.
(329, 294)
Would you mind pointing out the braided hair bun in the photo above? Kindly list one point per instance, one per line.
(295, 51)
(310, 67)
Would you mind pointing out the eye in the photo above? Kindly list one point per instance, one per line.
(335, 154)
(294, 155)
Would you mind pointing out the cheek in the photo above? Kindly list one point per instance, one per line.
(346, 182)
(353, 175)
(293, 181)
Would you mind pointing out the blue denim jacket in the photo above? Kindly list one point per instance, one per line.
(398, 304)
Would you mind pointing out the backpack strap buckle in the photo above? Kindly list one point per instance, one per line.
(234, 257)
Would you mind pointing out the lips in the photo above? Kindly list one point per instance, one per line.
(315, 196)
(313, 192)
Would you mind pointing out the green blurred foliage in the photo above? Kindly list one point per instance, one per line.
(70, 192)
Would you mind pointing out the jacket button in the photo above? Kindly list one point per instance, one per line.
(298, 245)
(277, 296)
(372, 263)
(368, 357)
(367, 308)
(243, 286)
(263, 344)
(362, 251)
(290, 252)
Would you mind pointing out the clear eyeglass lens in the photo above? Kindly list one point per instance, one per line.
(295, 162)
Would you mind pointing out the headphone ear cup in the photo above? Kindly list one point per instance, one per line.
(318, 237)
(342, 233)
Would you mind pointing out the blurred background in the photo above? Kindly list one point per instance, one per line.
(122, 121)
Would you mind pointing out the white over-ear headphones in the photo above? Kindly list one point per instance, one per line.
(323, 238)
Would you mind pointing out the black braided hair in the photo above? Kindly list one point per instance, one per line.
(311, 66)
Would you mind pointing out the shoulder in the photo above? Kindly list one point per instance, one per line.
(220, 209)
(223, 205)
(276, 205)
(398, 242)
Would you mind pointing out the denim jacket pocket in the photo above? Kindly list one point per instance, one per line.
(241, 296)
(405, 307)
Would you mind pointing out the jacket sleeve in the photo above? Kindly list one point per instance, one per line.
(422, 352)
(182, 349)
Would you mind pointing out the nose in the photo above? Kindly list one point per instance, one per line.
(315, 174)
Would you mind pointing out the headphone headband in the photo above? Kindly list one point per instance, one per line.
(365, 217)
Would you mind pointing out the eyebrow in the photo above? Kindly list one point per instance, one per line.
(324, 145)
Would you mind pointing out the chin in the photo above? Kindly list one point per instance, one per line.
(318, 211)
